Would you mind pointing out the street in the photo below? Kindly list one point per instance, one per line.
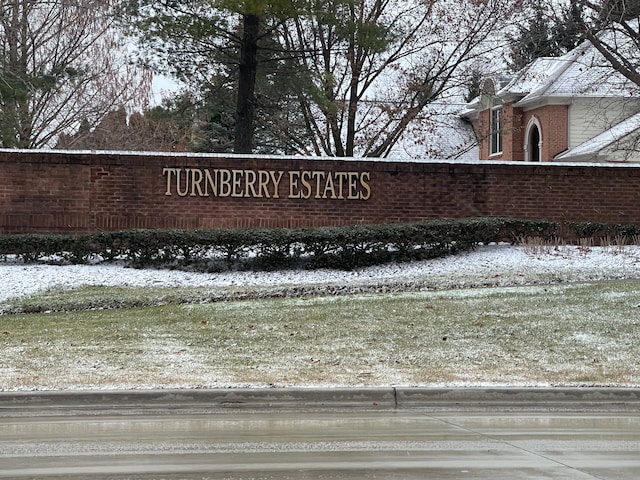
(328, 443)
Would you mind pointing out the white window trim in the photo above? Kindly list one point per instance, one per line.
(492, 150)
(533, 122)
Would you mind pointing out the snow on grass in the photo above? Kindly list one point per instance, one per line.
(530, 324)
(488, 265)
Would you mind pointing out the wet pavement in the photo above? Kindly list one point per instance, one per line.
(493, 442)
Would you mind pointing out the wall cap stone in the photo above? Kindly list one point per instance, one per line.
(191, 155)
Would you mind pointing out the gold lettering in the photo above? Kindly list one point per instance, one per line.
(365, 184)
(263, 182)
(341, 176)
(196, 181)
(304, 184)
(168, 172)
(250, 182)
(210, 181)
(293, 185)
(224, 183)
(329, 187)
(306, 176)
(237, 183)
(184, 192)
(353, 186)
(319, 176)
(276, 182)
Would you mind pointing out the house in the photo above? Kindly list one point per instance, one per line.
(574, 108)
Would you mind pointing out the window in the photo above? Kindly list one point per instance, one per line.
(495, 139)
(534, 144)
(533, 141)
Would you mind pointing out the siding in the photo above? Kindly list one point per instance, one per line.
(590, 117)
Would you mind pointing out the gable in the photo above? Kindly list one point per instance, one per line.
(595, 99)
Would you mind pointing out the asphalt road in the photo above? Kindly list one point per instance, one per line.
(192, 440)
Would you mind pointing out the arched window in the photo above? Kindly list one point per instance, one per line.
(533, 141)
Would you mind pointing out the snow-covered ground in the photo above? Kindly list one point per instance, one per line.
(499, 265)
(587, 354)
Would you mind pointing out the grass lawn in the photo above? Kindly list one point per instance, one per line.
(543, 335)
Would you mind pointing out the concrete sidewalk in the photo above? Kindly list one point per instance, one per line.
(578, 398)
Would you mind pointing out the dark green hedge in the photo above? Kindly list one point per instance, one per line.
(269, 249)
(600, 231)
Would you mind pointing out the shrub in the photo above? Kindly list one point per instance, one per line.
(346, 247)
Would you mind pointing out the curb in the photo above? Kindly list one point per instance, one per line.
(572, 397)
(578, 398)
(250, 398)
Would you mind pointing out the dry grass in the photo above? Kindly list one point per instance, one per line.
(571, 334)
(535, 245)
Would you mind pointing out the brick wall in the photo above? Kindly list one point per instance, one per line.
(554, 129)
(512, 134)
(482, 128)
(80, 191)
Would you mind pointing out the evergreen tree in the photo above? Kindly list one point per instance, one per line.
(204, 41)
(546, 34)
(534, 39)
(568, 30)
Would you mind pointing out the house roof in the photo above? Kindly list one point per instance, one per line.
(590, 149)
(583, 72)
(442, 133)
(535, 78)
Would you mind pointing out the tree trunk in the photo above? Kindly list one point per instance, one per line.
(245, 103)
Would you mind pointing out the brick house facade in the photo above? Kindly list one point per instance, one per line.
(573, 108)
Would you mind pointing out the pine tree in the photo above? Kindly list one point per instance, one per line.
(533, 40)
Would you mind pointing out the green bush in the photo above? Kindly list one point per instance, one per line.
(342, 248)
(601, 233)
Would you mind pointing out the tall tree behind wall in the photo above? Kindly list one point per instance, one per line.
(341, 77)
(215, 46)
(545, 30)
(375, 65)
(61, 63)
(613, 27)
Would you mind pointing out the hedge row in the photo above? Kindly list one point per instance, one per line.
(269, 249)
(604, 231)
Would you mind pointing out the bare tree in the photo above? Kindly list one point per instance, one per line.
(174, 126)
(61, 62)
(613, 27)
(373, 66)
